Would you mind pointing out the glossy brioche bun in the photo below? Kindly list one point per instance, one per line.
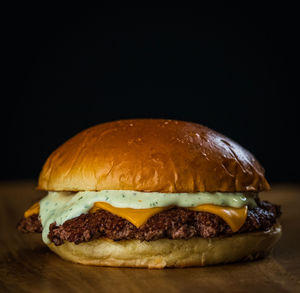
(170, 253)
(152, 155)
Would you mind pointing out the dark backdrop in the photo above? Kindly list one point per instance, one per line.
(235, 70)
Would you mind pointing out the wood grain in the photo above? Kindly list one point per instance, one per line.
(26, 265)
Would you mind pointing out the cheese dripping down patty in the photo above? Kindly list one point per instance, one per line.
(138, 207)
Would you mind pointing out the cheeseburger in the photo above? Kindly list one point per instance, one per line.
(153, 193)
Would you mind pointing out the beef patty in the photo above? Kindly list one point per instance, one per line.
(175, 223)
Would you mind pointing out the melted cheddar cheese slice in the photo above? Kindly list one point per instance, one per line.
(34, 209)
(137, 217)
(234, 217)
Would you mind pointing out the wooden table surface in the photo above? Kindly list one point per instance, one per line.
(27, 265)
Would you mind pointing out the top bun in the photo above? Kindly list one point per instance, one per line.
(152, 155)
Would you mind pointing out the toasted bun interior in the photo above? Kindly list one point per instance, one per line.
(152, 155)
(170, 253)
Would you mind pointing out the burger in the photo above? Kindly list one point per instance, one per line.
(153, 193)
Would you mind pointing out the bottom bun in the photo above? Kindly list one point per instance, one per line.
(170, 253)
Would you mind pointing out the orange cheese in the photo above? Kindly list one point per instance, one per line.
(34, 209)
(137, 217)
(234, 217)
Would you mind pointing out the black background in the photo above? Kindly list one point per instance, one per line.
(234, 70)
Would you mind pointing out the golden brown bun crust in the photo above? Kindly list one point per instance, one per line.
(152, 155)
(170, 253)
